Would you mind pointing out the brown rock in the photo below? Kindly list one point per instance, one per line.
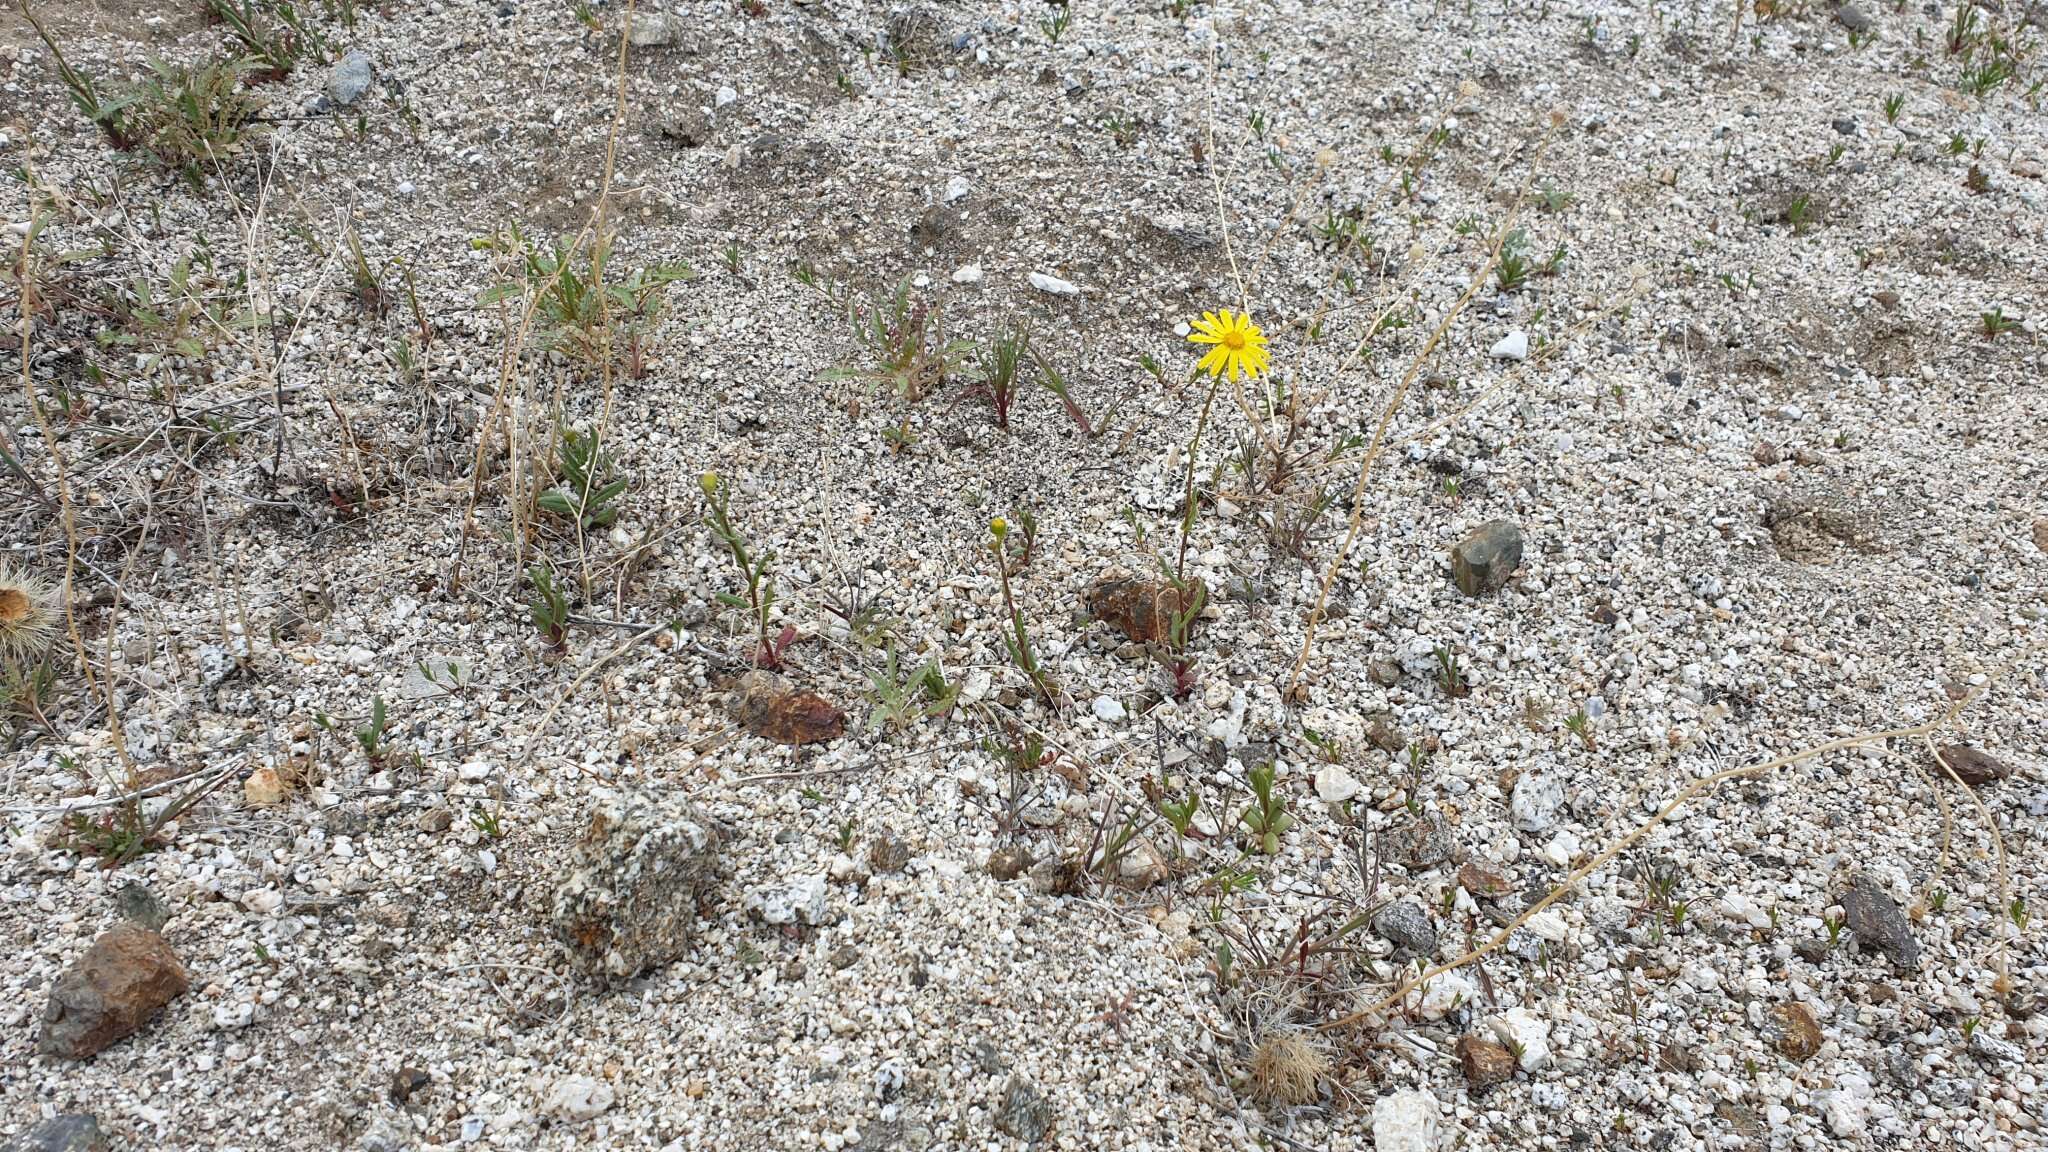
(264, 789)
(1143, 609)
(121, 981)
(1485, 1063)
(771, 708)
(1481, 883)
(1971, 766)
(1798, 1032)
(1008, 863)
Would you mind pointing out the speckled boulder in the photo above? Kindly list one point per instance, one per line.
(628, 900)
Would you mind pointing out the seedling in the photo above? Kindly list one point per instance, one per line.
(1266, 817)
(486, 822)
(1834, 926)
(1581, 725)
(589, 485)
(1996, 323)
(1018, 639)
(1512, 270)
(548, 609)
(1054, 25)
(904, 344)
(1000, 361)
(753, 570)
(190, 118)
(1893, 105)
(279, 49)
(371, 735)
(1799, 213)
(109, 115)
(1056, 384)
(1449, 676)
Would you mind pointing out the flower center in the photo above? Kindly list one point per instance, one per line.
(1234, 340)
(14, 606)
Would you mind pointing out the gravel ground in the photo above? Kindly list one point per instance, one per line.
(1775, 477)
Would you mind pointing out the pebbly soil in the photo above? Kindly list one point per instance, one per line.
(1776, 478)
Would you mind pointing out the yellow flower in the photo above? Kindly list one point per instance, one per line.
(1239, 348)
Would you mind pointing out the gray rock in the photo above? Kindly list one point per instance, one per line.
(656, 30)
(384, 1135)
(1845, 125)
(136, 904)
(1878, 922)
(1537, 797)
(1994, 1050)
(71, 1132)
(1483, 561)
(628, 900)
(801, 901)
(121, 981)
(1425, 843)
(349, 78)
(1407, 925)
(1853, 18)
(1025, 1113)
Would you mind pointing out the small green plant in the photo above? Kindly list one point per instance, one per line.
(753, 569)
(548, 609)
(1180, 814)
(1799, 213)
(584, 315)
(1512, 270)
(1937, 899)
(1893, 105)
(190, 118)
(900, 699)
(1834, 926)
(370, 737)
(109, 114)
(904, 344)
(590, 484)
(1581, 725)
(734, 258)
(1996, 323)
(1053, 382)
(1266, 816)
(1449, 675)
(1054, 24)
(1017, 639)
(2017, 910)
(277, 49)
(1981, 79)
(1552, 199)
(118, 836)
(1000, 361)
(486, 822)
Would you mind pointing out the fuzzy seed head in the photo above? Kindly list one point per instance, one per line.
(1287, 1070)
(28, 616)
